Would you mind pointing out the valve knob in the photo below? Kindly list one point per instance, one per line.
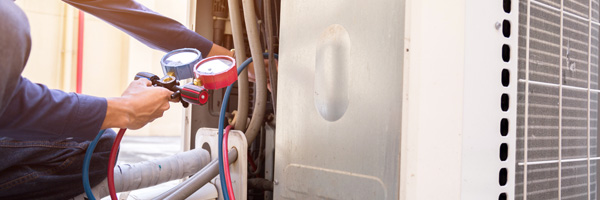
(194, 94)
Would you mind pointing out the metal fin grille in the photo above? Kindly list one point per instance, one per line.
(557, 100)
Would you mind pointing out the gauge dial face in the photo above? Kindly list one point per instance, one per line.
(215, 66)
(181, 58)
(216, 72)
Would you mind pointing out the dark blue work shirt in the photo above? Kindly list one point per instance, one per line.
(30, 111)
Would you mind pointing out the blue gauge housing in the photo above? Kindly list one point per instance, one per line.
(181, 62)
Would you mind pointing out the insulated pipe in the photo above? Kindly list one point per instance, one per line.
(240, 54)
(185, 182)
(166, 194)
(259, 70)
(148, 173)
(197, 181)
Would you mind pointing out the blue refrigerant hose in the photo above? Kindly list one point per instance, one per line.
(222, 124)
(86, 166)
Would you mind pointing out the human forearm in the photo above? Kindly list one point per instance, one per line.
(147, 26)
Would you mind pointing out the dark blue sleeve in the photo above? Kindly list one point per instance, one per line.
(38, 113)
(15, 43)
(149, 27)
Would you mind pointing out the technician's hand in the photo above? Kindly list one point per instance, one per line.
(138, 105)
(252, 76)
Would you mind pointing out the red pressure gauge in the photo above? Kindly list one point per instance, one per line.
(216, 72)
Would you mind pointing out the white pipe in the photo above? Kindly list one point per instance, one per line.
(259, 70)
(240, 55)
(197, 181)
(202, 172)
(149, 173)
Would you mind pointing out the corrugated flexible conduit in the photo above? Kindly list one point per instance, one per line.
(259, 70)
(240, 53)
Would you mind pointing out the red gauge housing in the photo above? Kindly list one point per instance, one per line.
(216, 72)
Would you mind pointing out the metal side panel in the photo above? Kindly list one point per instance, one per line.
(340, 99)
(490, 100)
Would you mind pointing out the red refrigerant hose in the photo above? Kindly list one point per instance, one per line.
(111, 164)
(226, 163)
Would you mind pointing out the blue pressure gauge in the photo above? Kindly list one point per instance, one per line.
(180, 63)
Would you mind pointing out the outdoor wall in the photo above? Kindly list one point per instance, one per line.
(111, 58)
